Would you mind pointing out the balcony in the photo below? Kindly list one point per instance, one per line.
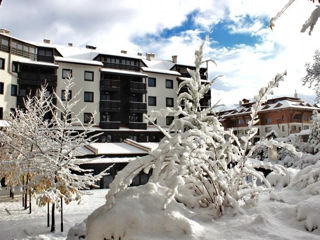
(109, 85)
(137, 125)
(110, 124)
(138, 87)
(121, 66)
(137, 107)
(109, 105)
(37, 79)
(45, 58)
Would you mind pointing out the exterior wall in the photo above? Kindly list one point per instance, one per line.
(80, 85)
(161, 93)
(8, 78)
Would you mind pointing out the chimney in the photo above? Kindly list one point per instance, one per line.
(139, 54)
(174, 58)
(46, 41)
(123, 51)
(4, 31)
(150, 56)
(295, 94)
(91, 47)
(70, 44)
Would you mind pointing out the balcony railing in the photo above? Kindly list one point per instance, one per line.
(121, 66)
(37, 79)
(109, 85)
(138, 87)
(110, 124)
(45, 58)
(109, 105)
(137, 107)
(137, 125)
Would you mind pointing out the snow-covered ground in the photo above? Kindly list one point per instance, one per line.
(16, 223)
(269, 219)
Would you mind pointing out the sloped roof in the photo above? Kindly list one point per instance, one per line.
(274, 105)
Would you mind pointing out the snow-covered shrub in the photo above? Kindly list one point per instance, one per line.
(197, 163)
(314, 138)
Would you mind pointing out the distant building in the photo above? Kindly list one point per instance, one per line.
(120, 88)
(279, 117)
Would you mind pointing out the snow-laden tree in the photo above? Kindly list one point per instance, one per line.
(62, 178)
(21, 140)
(51, 137)
(314, 137)
(312, 78)
(200, 164)
(309, 23)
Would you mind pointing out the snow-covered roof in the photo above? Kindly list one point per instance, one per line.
(106, 160)
(276, 105)
(185, 78)
(29, 61)
(4, 123)
(114, 149)
(158, 64)
(161, 71)
(125, 72)
(77, 60)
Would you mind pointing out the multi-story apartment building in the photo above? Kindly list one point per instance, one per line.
(279, 116)
(118, 88)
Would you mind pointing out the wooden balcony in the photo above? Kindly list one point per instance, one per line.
(109, 105)
(109, 85)
(137, 125)
(109, 124)
(138, 87)
(137, 107)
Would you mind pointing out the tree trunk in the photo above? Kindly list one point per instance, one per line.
(61, 214)
(11, 193)
(29, 201)
(26, 195)
(48, 214)
(53, 218)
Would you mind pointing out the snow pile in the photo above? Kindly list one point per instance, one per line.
(309, 211)
(146, 220)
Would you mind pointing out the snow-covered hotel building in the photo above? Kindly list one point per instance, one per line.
(280, 116)
(118, 88)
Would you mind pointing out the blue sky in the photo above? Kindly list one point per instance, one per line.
(248, 53)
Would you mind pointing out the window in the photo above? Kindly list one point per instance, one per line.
(268, 129)
(14, 90)
(15, 67)
(269, 120)
(1, 63)
(305, 118)
(1, 113)
(240, 121)
(66, 73)
(152, 82)
(63, 95)
(169, 83)
(1, 87)
(87, 117)
(283, 128)
(152, 101)
(88, 75)
(169, 102)
(169, 120)
(88, 96)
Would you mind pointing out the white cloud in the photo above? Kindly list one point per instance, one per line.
(114, 24)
